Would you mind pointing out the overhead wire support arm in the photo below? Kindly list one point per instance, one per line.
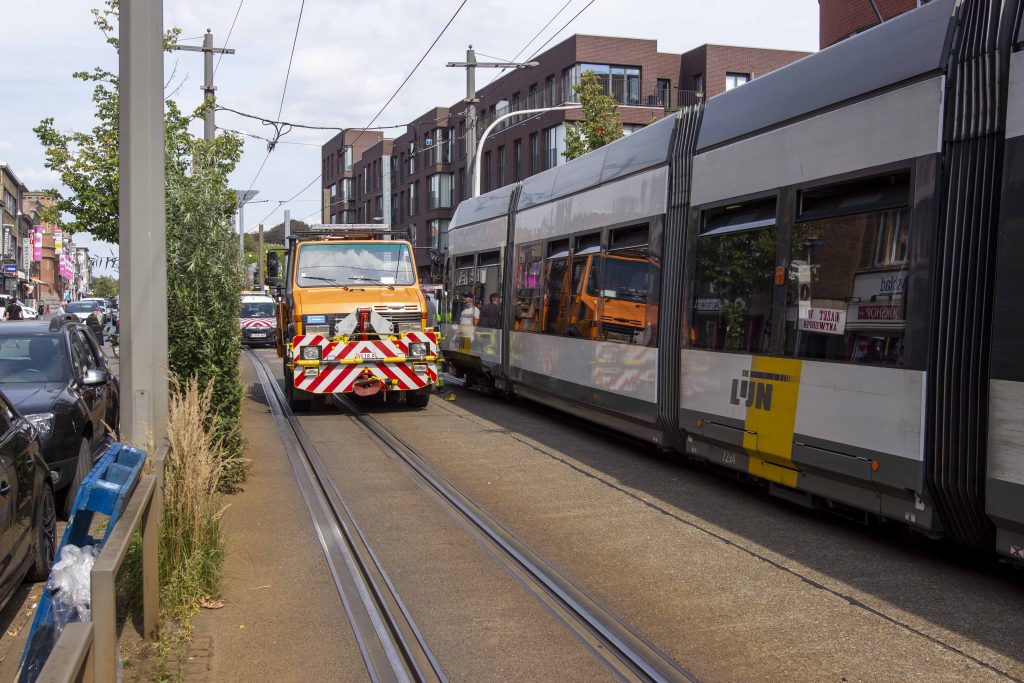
(208, 50)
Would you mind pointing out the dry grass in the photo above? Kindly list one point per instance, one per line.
(191, 547)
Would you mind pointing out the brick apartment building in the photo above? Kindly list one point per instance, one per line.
(425, 169)
(840, 19)
(48, 285)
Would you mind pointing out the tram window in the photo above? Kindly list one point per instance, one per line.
(489, 283)
(628, 288)
(885, 192)
(556, 287)
(463, 283)
(527, 284)
(846, 286)
(584, 309)
(733, 289)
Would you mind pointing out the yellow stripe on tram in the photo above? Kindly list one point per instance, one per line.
(772, 391)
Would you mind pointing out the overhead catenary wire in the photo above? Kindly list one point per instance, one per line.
(277, 132)
(555, 34)
(389, 101)
(530, 42)
(228, 39)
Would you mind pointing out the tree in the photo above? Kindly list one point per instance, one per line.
(204, 277)
(105, 286)
(601, 124)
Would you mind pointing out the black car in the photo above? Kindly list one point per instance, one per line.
(28, 518)
(57, 376)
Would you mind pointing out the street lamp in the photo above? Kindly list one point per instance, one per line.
(243, 198)
(487, 131)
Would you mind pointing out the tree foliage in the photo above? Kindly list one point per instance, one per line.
(105, 286)
(204, 278)
(601, 124)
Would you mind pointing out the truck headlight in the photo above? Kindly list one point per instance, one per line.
(43, 422)
(418, 349)
(311, 353)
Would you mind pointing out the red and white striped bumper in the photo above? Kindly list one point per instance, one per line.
(347, 362)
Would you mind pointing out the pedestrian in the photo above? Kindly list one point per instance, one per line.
(490, 314)
(40, 308)
(13, 310)
(95, 323)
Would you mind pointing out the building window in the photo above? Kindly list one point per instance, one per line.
(501, 166)
(531, 101)
(443, 146)
(379, 213)
(346, 189)
(662, 93)
(734, 80)
(515, 102)
(517, 160)
(394, 209)
(549, 91)
(463, 190)
(412, 157)
(412, 200)
(438, 232)
(462, 139)
(486, 172)
(554, 145)
(348, 158)
(620, 82)
(348, 216)
(698, 82)
(440, 188)
(535, 166)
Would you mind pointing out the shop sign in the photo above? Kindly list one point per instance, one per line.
(58, 239)
(10, 268)
(824, 321)
(880, 313)
(26, 254)
(37, 243)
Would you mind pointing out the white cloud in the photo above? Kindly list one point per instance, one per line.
(349, 59)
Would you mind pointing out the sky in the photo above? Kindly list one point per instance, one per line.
(350, 57)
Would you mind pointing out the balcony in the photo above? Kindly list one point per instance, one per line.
(659, 98)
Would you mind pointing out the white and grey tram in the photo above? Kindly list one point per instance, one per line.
(815, 279)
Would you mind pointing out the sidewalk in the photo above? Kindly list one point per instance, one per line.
(282, 618)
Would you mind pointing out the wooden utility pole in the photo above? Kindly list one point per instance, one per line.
(260, 281)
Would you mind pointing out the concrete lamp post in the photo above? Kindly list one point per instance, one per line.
(483, 138)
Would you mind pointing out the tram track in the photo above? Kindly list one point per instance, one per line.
(391, 645)
(627, 654)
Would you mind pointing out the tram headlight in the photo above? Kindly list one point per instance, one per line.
(311, 353)
(418, 349)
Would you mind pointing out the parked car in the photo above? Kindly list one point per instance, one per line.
(56, 374)
(28, 312)
(81, 309)
(28, 518)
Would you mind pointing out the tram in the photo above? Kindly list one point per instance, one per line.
(814, 279)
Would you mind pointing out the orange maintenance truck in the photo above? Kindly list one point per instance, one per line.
(351, 317)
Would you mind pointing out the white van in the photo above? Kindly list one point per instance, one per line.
(257, 320)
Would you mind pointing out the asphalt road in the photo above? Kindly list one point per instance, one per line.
(732, 584)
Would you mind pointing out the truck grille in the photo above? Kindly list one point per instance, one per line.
(402, 319)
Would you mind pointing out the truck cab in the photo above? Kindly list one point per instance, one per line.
(352, 317)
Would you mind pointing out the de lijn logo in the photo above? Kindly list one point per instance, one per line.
(756, 391)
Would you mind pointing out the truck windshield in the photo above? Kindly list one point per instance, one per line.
(352, 264)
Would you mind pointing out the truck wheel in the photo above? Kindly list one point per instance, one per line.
(298, 405)
(418, 398)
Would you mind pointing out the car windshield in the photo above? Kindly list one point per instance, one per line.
(32, 359)
(258, 310)
(79, 307)
(353, 264)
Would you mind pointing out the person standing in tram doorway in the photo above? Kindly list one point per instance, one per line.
(468, 320)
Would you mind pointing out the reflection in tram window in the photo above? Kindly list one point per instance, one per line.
(584, 309)
(526, 287)
(489, 287)
(556, 287)
(628, 288)
(846, 294)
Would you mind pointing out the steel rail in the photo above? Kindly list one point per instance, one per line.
(391, 645)
(621, 649)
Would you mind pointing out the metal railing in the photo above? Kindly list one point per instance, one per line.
(87, 651)
(659, 98)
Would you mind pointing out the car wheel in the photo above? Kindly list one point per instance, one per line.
(46, 536)
(82, 467)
